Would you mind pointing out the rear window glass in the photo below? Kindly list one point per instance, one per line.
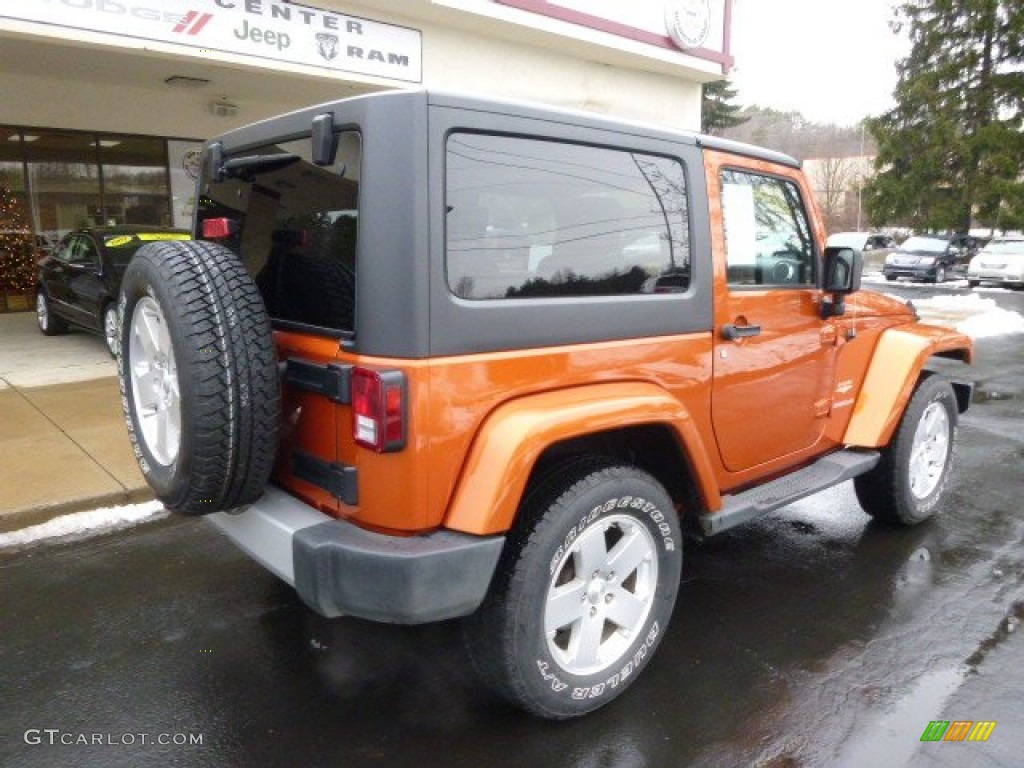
(295, 226)
(529, 218)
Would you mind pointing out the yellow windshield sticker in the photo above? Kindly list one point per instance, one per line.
(117, 241)
(164, 236)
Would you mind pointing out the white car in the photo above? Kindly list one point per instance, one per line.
(862, 241)
(1000, 262)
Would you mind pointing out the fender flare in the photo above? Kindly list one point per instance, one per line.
(896, 365)
(514, 435)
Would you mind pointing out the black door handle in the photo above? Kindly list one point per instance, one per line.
(733, 332)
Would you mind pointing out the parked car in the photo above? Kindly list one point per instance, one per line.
(79, 281)
(862, 241)
(1000, 262)
(873, 246)
(931, 258)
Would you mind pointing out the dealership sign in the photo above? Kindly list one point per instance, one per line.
(700, 28)
(263, 29)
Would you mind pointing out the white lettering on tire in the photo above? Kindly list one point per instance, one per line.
(613, 681)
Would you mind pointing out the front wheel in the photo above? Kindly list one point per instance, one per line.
(110, 328)
(907, 484)
(583, 593)
(940, 274)
(49, 323)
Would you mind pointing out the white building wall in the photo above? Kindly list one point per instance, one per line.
(455, 61)
(91, 81)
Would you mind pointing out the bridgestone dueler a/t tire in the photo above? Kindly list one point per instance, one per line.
(575, 521)
(886, 492)
(230, 398)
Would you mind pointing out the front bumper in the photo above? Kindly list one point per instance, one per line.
(997, 277)
(339, 569)
(918, 273)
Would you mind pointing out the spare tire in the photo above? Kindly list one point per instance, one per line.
(198, 373)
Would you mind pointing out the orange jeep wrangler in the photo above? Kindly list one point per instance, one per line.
(435, 356)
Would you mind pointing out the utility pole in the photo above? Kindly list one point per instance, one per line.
(860, 173)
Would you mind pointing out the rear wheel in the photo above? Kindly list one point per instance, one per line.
(198, 372)
(583, 593)
(909, 480)
(973, 283)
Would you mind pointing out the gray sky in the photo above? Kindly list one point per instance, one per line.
(832, 60)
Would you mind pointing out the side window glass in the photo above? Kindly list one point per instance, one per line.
(528, 218)
(63, 250)
(81, 252)
(86, 253)
(767, 235)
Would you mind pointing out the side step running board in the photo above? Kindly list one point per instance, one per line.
(824, 473)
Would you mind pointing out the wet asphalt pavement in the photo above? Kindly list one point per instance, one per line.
(811, 637)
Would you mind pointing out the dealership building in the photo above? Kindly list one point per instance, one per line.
(107, 101)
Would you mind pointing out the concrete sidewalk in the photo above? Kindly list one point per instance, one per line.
(63, 442)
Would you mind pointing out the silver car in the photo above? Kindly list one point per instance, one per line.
(1000, 262)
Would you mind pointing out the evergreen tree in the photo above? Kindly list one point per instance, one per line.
(717, 110)
(17, 262)
(951, 151)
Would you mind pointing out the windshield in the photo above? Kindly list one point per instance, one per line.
(1005, 246)
(933, 244)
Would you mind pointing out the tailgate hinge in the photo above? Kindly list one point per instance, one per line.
(339, 480)
(333, 381)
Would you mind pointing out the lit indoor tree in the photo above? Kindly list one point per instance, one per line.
(17, 262)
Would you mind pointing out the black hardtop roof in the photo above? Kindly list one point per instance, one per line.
(533, 110)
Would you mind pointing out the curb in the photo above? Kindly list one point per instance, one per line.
(17, 519)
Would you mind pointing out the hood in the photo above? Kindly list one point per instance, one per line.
(918, 252)
(872, 304)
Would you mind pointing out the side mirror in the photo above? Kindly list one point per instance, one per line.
(843, 267)
(325, 141)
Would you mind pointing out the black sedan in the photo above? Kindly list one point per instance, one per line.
(80, 280)
(930, 257)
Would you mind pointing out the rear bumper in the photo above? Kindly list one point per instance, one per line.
(340, 569)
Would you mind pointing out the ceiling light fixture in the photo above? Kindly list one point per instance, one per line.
(223, 108)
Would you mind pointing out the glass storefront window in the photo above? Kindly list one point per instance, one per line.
(19, 247)
(134, 171)
(55, 181)
(64, 182)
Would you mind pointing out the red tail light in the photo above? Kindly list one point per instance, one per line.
(217, 228)
(378, 409)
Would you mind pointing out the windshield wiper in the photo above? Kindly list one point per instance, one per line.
(245, 168)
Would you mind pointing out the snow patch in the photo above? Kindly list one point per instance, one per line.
(972, 315)
(82, 524)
